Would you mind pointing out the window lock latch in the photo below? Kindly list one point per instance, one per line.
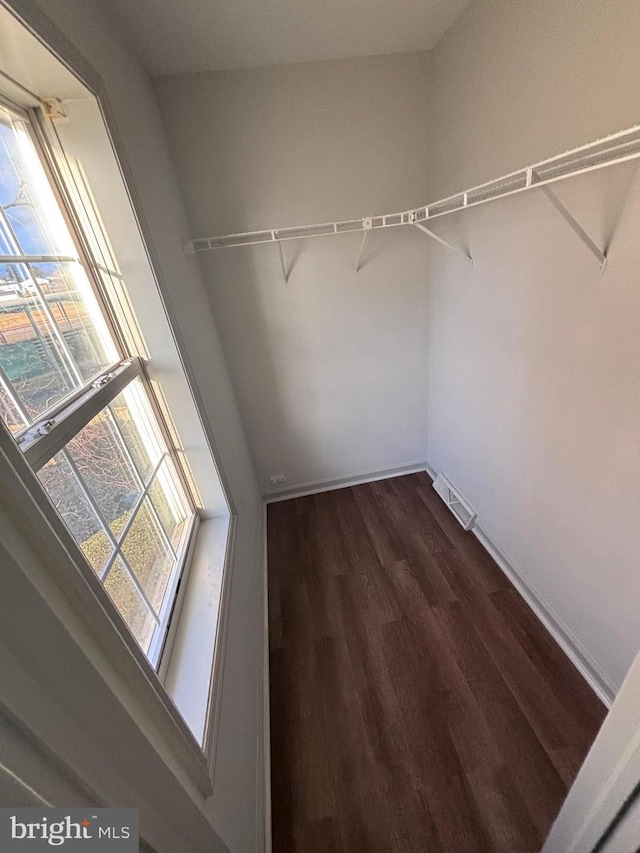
(43, 428)
(103, 380)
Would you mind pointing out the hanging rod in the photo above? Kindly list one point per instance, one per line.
(617, 148)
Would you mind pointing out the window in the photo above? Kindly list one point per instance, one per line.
(74, 391)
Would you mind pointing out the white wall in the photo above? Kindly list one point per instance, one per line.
(329, 371)
(234, 810)
(533, 357)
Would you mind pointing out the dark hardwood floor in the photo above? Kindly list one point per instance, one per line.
(417, 704)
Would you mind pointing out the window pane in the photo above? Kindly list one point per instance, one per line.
(149, 556)
(134, 416)
(9, 413)
(32, 223)
(65, 491)
(32, 354)
(129, 602)
(167, 499)
(100, 455)
(50, 343)
(76, 313)
(7, 246)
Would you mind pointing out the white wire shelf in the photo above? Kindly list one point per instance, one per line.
(617, 148)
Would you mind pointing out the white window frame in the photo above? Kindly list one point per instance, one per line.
(41, 441)
(162, 700)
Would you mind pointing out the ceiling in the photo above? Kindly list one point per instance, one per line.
(181, 36)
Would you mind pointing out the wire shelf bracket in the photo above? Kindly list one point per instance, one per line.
(443, 242)
(575, 226)
(367, 224)
(619, 147)
(285, 274)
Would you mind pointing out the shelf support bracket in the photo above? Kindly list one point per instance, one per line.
(367, 225)
(575, 226)
(439, 239)
(285, 274)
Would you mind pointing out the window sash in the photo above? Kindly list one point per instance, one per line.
(71, 192)
(72, 198)
(162, 618)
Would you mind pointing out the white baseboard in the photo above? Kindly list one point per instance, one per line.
(314, 488)
(430, 471)
(565, 638)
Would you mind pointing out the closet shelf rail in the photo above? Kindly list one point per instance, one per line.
(617, 148)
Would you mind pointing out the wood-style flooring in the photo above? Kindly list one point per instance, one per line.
(417, 704)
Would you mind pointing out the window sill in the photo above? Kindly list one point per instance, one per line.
(190, 677)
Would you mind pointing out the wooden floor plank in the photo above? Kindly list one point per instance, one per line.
(417, 704)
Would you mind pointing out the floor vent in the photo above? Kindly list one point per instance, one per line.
(456, 503)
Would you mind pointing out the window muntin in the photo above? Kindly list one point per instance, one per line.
(87, 425)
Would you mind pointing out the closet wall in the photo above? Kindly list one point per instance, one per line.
(531, 357)
(534, 358)
(329, 370)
